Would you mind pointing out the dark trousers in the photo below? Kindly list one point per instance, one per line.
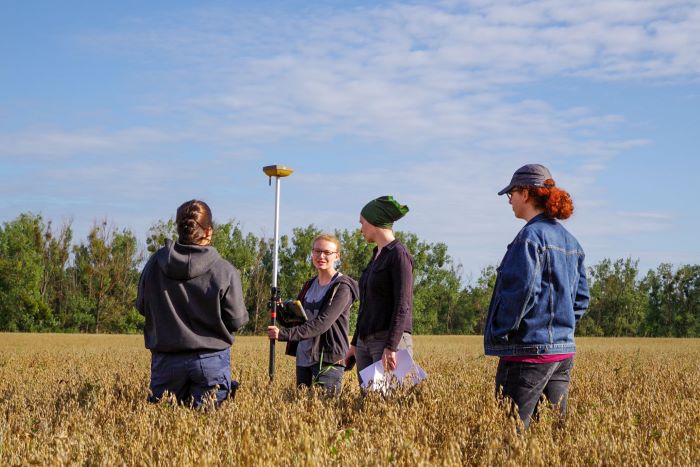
(191, 376)
(526, 383)
(371, 348)
(327, 376)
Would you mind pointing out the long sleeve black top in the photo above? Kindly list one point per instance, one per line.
(386, 295)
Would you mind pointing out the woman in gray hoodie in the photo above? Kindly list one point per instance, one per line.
(192, 300)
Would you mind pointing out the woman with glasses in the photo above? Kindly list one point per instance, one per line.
(320, 344)
(540, 294)
(385, 318)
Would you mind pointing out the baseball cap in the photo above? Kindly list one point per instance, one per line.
(528, 175)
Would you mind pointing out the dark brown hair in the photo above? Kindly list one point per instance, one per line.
(556, 202)
(193, 219)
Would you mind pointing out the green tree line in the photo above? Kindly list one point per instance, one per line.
(48, 282)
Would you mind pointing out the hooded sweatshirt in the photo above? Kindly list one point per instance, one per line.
(329, 330)
(192, 299)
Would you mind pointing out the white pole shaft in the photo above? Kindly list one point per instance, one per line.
(277, 232)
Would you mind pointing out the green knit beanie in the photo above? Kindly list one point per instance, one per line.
(383, 211)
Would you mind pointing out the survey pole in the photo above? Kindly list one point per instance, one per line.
(277, 171)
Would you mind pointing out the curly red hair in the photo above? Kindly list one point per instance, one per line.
(556, 202)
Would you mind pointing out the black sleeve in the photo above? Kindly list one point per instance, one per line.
(354, 338)
(402, 275)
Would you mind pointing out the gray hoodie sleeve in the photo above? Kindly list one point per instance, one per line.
(233, 311)
(141, 292)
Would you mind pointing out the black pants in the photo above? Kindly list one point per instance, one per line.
(525, 383)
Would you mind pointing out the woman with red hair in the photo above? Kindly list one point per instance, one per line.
(540, 294)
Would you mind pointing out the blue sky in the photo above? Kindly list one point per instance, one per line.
(123, 110)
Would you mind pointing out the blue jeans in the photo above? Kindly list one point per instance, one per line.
(328, 376)
(526, 383)
(191, 376)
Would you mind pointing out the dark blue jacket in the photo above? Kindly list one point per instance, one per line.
(541, 292)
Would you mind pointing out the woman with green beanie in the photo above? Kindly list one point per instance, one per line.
(385, 319)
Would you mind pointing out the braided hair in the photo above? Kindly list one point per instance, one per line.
(193, 219)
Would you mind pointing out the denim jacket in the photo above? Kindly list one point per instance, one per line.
(541, 292)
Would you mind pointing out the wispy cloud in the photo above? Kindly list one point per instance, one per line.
(51, 143)
(417, 73)
(646, 215)
(436, 88)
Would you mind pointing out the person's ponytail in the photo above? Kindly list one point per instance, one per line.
(557, 203)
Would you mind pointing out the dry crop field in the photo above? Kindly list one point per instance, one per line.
(80, 399)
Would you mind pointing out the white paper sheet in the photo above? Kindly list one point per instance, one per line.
(381, 381)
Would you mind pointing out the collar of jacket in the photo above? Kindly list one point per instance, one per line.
(537, 218)
(389, 246)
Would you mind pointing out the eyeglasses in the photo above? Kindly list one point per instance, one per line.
(325, 253)
(510, 193)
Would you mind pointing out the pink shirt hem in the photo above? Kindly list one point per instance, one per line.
(538, 358)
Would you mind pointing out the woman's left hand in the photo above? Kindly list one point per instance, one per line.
(273, 332)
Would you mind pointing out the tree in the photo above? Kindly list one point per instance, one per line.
(437, 286)
(355, 252)
(106, 276)
(258, 293)
(478, 298)
(250, 256)
(54, 286)
(617, 305)
(22, 275)
(674, 301)
(41, 289)
(159, 232)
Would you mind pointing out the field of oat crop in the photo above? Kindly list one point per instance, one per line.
(80, 399)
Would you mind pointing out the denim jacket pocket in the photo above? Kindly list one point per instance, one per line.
(491, 329)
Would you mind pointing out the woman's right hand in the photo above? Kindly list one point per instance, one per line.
(273, 332)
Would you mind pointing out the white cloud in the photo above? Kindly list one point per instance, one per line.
(386, 60)
(646, 215)
(49, 143)
(436, 83)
